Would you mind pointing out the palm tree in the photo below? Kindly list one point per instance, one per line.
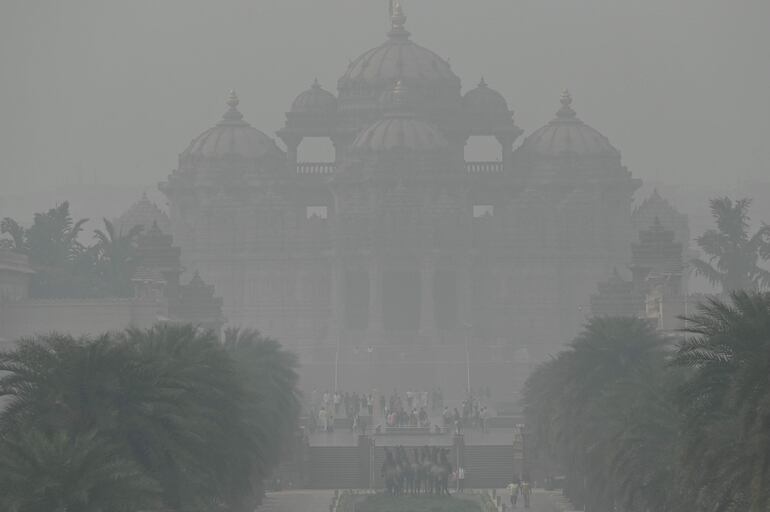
(570, 406)
(733, 254)
(268, 374)
(17, 242)
(52, 240)
(51, 471)
(116, 257)
(62, 263)
(166, 397)
(727, 399)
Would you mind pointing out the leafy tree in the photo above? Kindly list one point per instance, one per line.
(116, 258)
(53, 472)
(61, 262)
(66, 268)
(17, 242)
(576, 405)
(733, 254)
(727, 402)
(170, 400)
(269, 375)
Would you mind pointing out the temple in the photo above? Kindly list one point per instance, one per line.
(398, 256)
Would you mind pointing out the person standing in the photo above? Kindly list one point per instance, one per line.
(323, 419)
(460, 479)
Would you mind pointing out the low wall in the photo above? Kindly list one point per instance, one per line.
(77, 317)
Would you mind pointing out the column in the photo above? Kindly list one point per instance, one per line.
(464, 295)
(506, 144)
(375, 301)
(292, 142)
(427, 302)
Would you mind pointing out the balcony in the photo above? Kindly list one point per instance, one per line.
(319, 168)
(483, 167)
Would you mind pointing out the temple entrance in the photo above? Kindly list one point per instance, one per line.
(401, 300)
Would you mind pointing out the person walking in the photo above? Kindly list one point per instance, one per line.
(513, 489)
(526, 493)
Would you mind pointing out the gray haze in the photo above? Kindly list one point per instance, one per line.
(111, 91)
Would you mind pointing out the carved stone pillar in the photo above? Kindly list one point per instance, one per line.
(340, 143)
(464, 296)
(292, 145)
(427, 302)
(375, 300)
(506, 144)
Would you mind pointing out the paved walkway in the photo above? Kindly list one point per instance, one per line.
(319, 500)
(297, 501)
(344, 437)
(542, 501)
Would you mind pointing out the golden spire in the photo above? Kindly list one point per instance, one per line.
(566, 106)
(232, 99)
(232, 115)
(397, 16)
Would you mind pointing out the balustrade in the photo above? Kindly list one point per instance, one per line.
(484, 167)
(316, 167)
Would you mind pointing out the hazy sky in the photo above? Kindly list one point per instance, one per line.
(116, 89)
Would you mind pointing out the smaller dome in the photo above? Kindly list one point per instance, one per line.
(315, 100)
(143, 213)
(485, 100)
(400, 134)
(567, 134)
(232, 136)
(400, 129)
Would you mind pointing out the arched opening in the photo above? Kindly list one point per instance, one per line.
(316, 149)
(483, 148)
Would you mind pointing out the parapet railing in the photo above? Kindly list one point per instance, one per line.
(484, 167)
(316, 167)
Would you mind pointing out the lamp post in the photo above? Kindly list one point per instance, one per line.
(337, 363)
(370, 351)
(468, 328)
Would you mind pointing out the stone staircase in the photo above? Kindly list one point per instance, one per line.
(334, 467)
(488, 467)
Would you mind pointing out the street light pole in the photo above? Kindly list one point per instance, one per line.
(337, 363)
(467, 359)
(370, 350)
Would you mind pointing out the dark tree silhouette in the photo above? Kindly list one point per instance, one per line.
(733, 255)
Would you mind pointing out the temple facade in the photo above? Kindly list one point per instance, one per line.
(400, 256)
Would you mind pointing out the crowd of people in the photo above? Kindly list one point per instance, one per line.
(412, 408)
(474, 415)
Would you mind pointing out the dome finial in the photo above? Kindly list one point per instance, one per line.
(566, 105)
(482, 83)
(399, 95)
(232, 114)
(232, 99)
(397, 16)
(316, 84)
(398, 101)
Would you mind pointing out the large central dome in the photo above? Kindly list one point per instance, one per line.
(397, 59)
